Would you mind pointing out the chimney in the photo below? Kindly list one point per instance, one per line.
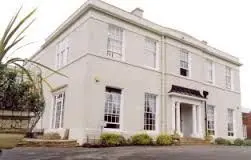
(138, 12)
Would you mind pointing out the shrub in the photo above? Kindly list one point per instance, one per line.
(220, 141)
(164, 139)
(112, 139)
(176, 139)
(209, 138)
(51, 136)
(142, 139)
(247, 142)
(238, 142)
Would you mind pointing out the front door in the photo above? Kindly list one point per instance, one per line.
(186, 120)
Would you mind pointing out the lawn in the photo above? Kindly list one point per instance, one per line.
(9, 140)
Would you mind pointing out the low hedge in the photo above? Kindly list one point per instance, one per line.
(247, 142)
(238, 142)
(222, 141)
(141, 139)
(112, 139)
(164, 139)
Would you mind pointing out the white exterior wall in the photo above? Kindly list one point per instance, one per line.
(84, 108)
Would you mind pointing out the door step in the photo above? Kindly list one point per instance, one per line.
(193, 141)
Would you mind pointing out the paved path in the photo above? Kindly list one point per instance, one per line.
(131, 153)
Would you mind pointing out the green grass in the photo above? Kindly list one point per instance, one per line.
(8, 141)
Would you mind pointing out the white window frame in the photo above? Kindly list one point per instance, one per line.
(212, 119)
(115, 38)
(154, 126)
(230, 133)
(183, 60)
(57, 100)
(107, 108)
(62, 53)
(228, 77)
(154, 52)
(210, 69)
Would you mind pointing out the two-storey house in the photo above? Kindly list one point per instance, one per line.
(129, 75)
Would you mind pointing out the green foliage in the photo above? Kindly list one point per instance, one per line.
(164, 139)
(247, 142)
(18, 95)
(26, 95)
(209, 138)
(222, 141)
(51, 136)
(238, 142)
(142, 139)
(112, 139)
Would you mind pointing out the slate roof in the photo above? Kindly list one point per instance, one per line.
(185, 91)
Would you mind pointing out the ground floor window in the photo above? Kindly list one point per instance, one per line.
(58, 110)
(112, 107)
(150, 112)
(210, 120)
(230, 122)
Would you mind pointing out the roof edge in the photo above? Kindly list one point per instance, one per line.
(168, 32)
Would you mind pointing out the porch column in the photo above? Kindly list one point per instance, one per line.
(173, 116)
(178, 117)
(194, 115)
(199, 121)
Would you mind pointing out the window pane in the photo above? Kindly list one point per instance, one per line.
(210, 119)
(150, 52)
(228, 77)
(112, 107)
(150, 112)
(114, 42)
(58, 110)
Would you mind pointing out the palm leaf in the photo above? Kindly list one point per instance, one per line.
(25, 71)
(6, 32)
(12, 45)
(10, 35)
(34, 62)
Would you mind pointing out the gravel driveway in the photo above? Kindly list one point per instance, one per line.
(131, 153)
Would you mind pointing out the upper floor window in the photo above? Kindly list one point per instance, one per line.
(184, 63)
(58, 110)
(112, 107)
(115, 42)
(211, 120)
(150, 112)
(228, 78)
(62, 52)
(150, 52)
(230, 122)
(209, 71)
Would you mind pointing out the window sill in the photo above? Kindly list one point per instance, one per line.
(112, 130)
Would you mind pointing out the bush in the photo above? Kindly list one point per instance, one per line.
(247, 142)
(176, 139)
(221, 141)
(51, 136)
(209, 138)
(164, 139)
(142, 139)
(238, 142)
(112, 139)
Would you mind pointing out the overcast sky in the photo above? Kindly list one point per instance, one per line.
(225, 24)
